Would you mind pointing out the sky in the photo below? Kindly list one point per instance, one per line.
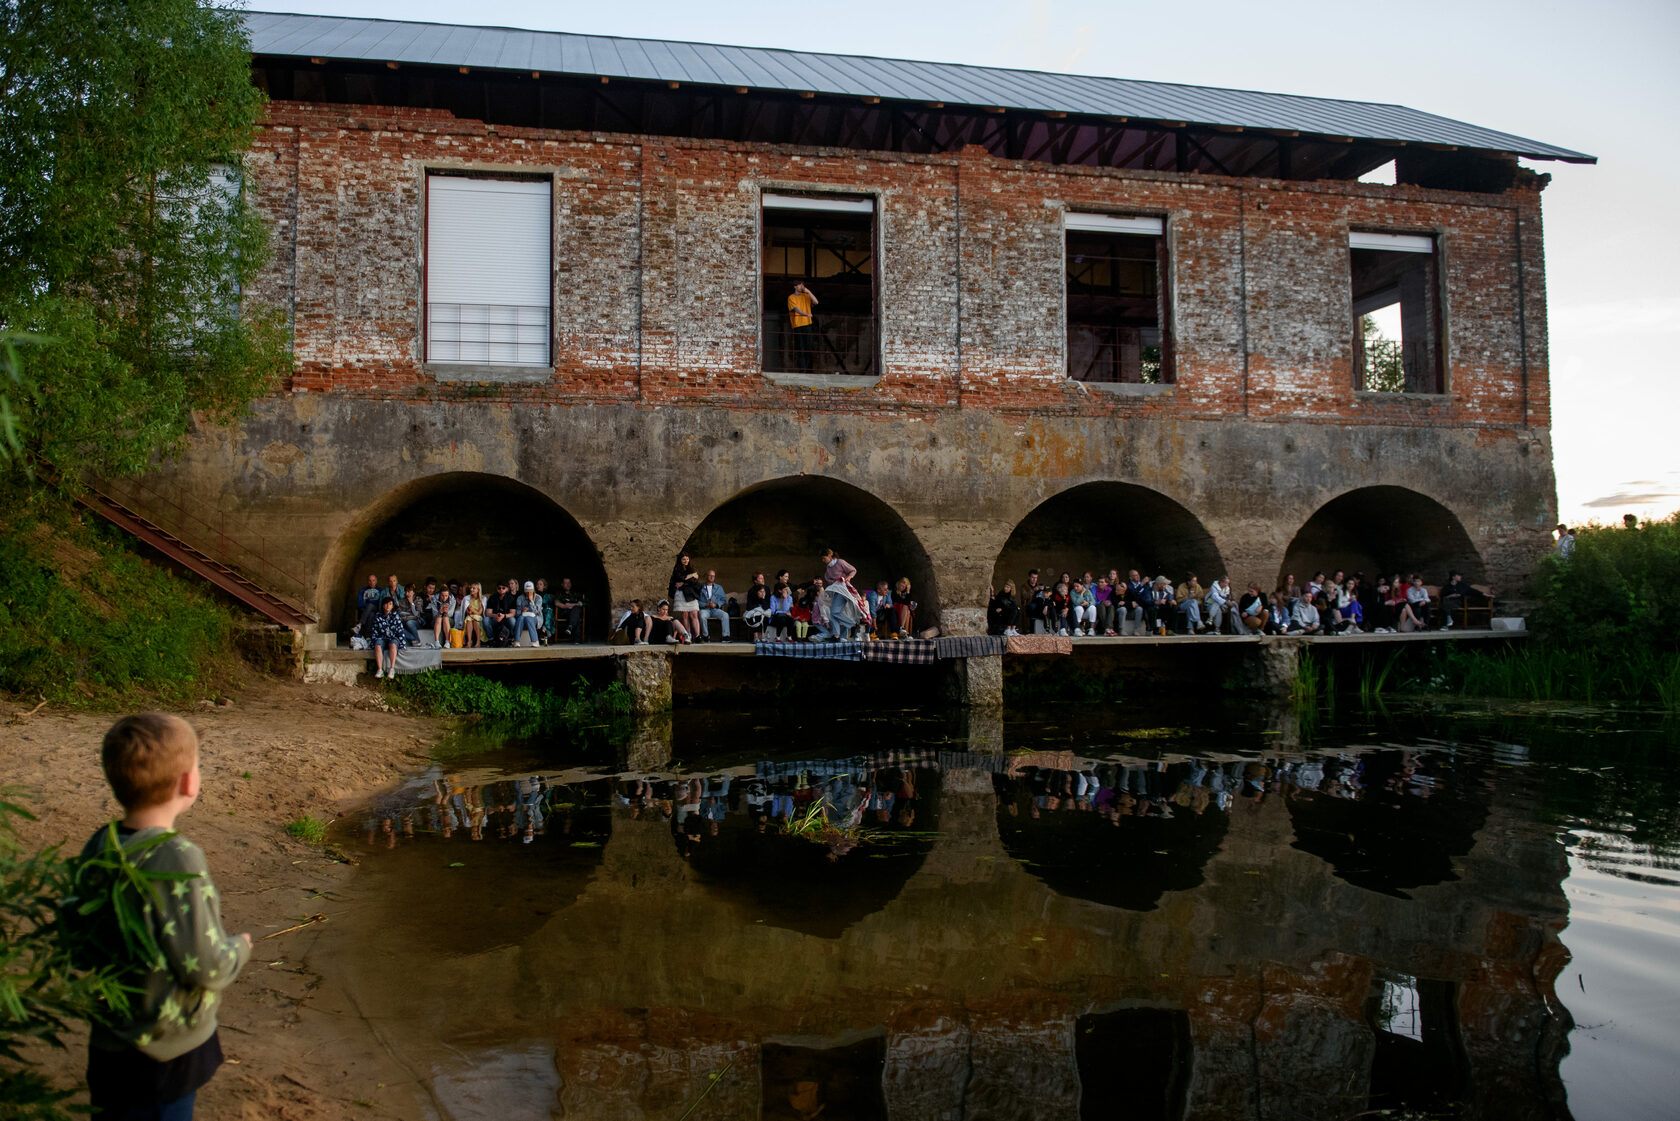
(1602, 79)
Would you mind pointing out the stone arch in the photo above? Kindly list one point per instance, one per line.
(1383, 529)
(1104, 525)
(464, 525)
(785, 522)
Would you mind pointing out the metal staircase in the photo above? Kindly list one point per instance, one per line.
(286, 612)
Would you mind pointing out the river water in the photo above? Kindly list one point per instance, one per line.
(1181, 911)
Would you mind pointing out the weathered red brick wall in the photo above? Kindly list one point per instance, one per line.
(657, 282)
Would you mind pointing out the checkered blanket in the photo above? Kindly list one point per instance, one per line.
(1040, 644)
(823, 651)
(907, 652)
(419, 659)
(969, 646)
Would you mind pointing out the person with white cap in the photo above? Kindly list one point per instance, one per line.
(528, 610)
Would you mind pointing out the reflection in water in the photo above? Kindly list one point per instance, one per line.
(1208, 928)
(1116, 833)
(1388, 820)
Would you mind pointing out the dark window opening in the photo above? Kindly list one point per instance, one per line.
(1118, 321)
(826, 245)
(1396, 314)
(1418, 1062)
(1133, 1063)
(842, 1081)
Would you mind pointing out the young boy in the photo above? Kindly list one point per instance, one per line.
(150, 1067)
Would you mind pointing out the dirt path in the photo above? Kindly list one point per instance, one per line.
(279, 751)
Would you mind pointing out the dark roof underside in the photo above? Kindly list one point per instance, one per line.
(553, 52)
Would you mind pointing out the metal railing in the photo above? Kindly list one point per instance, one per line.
(250, 559)
(839, 344)
(491, 334)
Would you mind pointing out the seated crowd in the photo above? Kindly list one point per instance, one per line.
(772, 612)
(461, 614)
(453, 613)
(1337, 604)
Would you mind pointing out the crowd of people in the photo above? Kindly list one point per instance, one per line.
(827, 606)
(392, 616)
(1327, 604)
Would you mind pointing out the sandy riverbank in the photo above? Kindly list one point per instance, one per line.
(279, 751)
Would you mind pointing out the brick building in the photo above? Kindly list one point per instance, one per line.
(538, 285)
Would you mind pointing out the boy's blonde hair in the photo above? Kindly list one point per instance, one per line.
(145, 755)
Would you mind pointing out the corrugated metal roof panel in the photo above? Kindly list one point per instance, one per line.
(372, 40)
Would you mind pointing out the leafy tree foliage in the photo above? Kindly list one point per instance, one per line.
(126, 233)
(42, 989)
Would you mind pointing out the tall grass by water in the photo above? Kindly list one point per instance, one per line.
(446, 693)
(1607, 630)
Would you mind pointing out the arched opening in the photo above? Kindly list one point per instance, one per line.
(1099, 526)
(1381, 531)
(464, 526)
(785, 523)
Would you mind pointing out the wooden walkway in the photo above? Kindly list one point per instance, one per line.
(491, 656)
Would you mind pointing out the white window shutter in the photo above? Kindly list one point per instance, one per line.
(489, 256)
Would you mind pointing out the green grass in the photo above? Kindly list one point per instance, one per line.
(86, 621)
(310, 830)
(445, 693)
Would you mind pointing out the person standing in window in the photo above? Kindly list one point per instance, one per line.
(802, 306)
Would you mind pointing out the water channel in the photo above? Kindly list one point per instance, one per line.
(1467, 911)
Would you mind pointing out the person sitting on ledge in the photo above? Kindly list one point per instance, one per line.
(713, 605)
(1139, 600)
(527, 617)
(367, 605)
(781, 609)
(408, 610)
(568, 611)
(387, 637)
(904, 608)
(1305, 619)
(755, 612)
(1190, 594)
(1417, 597)
(1252, 612)
(1456, 596)
(664, 629)
(879, 599)
(1056, 610)
(1084, 605)
(1003, 616)
(499, 615)
(1279, 616)
(1161, 605)
(1103, 596)
(1036, 611)
(635, 624)
(1222, 609)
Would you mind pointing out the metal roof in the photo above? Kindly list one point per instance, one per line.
(558, 52)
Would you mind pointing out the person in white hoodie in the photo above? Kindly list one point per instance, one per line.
(1221, 607)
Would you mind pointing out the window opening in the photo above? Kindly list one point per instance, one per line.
(1383, 174)
(1118, 300)
(818, 259)
(1396, 313)
(488, 270)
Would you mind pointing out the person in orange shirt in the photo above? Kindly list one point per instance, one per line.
(801, 318)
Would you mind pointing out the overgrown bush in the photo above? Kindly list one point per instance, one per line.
(41, 990)
(1620, 590)
(1607, 629)
(84, 619)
